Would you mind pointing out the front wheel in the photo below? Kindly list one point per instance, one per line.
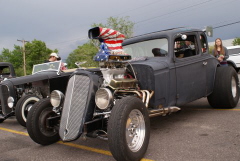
(37, 124)
(23, 106)
(128, 129)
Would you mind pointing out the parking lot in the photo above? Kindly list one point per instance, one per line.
(198, 132)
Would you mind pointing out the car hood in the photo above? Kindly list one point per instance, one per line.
(33, 78)
(156, 63)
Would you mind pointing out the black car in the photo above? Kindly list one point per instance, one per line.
(6, 71)
(115, 102)
(19, 94)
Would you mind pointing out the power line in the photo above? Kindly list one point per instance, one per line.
(173, 11)
(226, 24)
(121, 13)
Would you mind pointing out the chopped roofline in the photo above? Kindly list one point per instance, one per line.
(177, 29)
(156, 34)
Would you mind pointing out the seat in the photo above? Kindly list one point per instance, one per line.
(157, 52)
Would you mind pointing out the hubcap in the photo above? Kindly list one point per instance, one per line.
(44, 127)
(135, 130)
(234, 87)
(27, 105)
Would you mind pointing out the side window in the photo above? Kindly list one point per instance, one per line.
(203, 43)
(4, 70)
(185, 48)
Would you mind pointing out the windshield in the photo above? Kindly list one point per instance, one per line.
(233, 51)
(147, 48)
(51, 66)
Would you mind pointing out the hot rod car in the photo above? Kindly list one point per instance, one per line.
(6, 71)
(19, 94)
(154, 75)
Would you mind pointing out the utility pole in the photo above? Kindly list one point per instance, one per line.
(24, 59)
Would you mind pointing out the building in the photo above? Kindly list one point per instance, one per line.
(226, 43)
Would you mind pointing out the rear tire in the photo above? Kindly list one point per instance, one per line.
(128, 129)
(23, 106)
(37, 126)
(226, 89)
(236, 69)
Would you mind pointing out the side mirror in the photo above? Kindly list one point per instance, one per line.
(209, 31)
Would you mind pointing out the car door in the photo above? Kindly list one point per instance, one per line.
(190, 71)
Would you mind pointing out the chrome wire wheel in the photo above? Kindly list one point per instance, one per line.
(234, 87)
(135, 130)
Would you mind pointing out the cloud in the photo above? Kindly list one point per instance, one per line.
(64, 24)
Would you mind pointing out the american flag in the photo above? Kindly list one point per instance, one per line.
(111, 42)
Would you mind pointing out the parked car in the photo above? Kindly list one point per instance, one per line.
(19, 94)
(115, 102)
(6, 71)
(234, 57)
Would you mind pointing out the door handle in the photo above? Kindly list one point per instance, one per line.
(204, 63)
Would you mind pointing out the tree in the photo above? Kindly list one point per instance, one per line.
(236, 41)
(85, 52)
(14, 58)
(36, 52)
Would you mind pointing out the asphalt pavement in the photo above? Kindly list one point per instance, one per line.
(198, 132)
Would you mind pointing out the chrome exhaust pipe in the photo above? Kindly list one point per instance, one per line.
(163, 111)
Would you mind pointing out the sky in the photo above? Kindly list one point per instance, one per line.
(64, 24)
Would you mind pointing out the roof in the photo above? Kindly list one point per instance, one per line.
(154, 35)
(5, 64)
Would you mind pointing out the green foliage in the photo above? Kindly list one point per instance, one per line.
(13, 57)
(211, 49)
(86, 52)
(35, 53)
(236, 41)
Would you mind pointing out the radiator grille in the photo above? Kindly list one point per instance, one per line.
(74, 107)
(4, 96)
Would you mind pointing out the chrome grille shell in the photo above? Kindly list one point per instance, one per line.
(4, 94)
(74, 108)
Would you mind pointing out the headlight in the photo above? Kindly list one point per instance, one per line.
(103, 98)
(56, 98)
(10, 102)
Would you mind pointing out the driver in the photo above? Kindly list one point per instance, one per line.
(189, 51)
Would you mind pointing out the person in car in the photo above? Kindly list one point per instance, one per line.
(220, 52)
(55, 57)
(188, 52)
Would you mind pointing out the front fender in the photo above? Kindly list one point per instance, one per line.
(6, 90)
